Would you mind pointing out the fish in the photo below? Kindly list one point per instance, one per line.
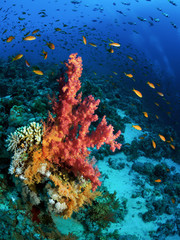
(38, 72)
(160, 94)
(158, 180)
(172, 146)
(35, 31)
(157, 104)
(50, 45)
(151, 84)
(92, 44)
(137, 127)
(153, 144)
(27, 64)
(17, 57)
(45, 54)
(114, 44)
(9, 39)
(157, 116)
(162, 138)
(128, 75)
(110, 50)
(29, 38)
(57, 29)
(84, 40)
(138, 93)
(145, 114)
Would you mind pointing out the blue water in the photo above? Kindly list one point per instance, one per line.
(154, 44)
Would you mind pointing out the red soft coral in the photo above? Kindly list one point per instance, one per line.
(67, 137)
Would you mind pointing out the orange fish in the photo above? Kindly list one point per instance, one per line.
(145, 114)
(137, 127)
(29, 38)
(27, 64)
(9, 39)
(38, 72)
(110, 50)
(157, 104)
(17, 57)
(50, 45)
(139, 94)
(172, 146)
(128, 75)
(158, 180)
(114, 44)
(130, 58)
(157, 116)
(35, 31)
(141, 137)
(84, 40)
(173, 200)
(171, 139)
(92, 44)
(153, 144)
(160, 94)
(162, 138)
(151, 85)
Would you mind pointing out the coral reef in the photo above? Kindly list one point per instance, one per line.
(53, 160)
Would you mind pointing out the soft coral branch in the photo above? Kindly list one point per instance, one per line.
(67, 137)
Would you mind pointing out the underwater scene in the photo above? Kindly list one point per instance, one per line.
(90, 120)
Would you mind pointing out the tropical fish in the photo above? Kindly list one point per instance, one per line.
(50, 45)
(35, 31)
(128, 75)
(158, 180)
(27, 64)
(114, 44)
(137, 127)
(153, 144)
(9, 39)
(151, 85)
(145, 114)
(84, 40)
(29, 38)
(38, 72)
(138, 93)
(110, 50)
(172, 146)
(17, 57)
(160, 94)
(92, 44)
(162, 138)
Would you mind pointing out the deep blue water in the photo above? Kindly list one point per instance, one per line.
(153, 44)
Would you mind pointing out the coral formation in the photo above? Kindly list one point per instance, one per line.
(55, 157)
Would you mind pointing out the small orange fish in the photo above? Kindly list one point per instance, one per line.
(130, 58)
(153, 144)
(139, 94)
(92, 44)
(114, 44)
(173, 200)
(137, 127)
(9, 39)
(111, 50)
(151, 85)
(162, 138)
(17, 57)
(38, 72)
(157, 116)
(172, 146)
(128, 75)
(171, 139)
(35, 31)
(145, 114)
(160, 94)
(50, 45)
(27, 64)
(115, 73)
(157, 104)
(29, 38)
(84, 40)
(158, 180)
(141, 138)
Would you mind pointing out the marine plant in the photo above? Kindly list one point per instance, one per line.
(52, 158)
